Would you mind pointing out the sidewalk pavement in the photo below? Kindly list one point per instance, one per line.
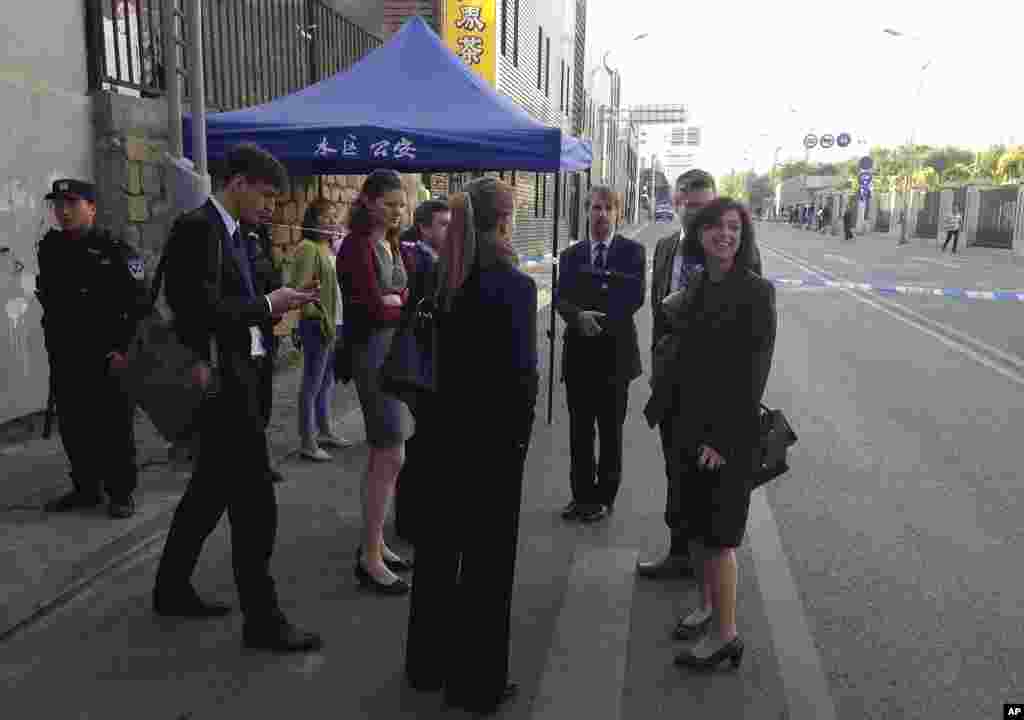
(47, 558)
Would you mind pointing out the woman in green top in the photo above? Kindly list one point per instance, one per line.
(314, 265)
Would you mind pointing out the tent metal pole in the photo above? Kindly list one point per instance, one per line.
(554, 289)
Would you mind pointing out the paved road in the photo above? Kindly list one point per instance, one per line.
(880, 577)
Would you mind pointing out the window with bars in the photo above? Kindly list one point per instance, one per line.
(515, 34)
(540, 57)
(547, 67)
(561, 87)
(504, 28)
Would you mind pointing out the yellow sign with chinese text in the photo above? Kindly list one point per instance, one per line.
(471, 32)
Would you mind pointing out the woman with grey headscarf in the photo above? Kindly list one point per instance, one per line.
(458, 638)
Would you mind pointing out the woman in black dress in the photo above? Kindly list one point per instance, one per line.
(487, 363)
(726, 323)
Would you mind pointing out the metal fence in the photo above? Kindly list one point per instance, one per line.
(253, 50)
(997, 213)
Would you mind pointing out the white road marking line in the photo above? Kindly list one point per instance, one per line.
(803, 680)
(876, 303)
(840, 258)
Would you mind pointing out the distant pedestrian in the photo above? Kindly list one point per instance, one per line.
(849, 219)
(953, 224)
(93, 291)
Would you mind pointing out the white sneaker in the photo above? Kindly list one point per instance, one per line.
(332, 440)
(316, 454)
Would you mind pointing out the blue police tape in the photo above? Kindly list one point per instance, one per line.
(1013, 295)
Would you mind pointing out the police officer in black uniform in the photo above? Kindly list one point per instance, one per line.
(93, 291)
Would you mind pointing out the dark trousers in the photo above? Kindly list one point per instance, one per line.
(416, 476)
(459, 617)
(602, 404)
(230, 474)
(953, 235)
(675, 517)
(97, 429)
(848, 231)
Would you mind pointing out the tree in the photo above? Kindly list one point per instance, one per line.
(1010, 166)
(734, 185)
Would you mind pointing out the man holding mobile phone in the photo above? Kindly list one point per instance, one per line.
(215, 292)
(601, 286)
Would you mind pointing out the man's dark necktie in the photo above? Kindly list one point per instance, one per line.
(240, 248)
(599, 257)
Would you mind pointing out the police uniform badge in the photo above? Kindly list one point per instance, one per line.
(137, 268)
(63, 187)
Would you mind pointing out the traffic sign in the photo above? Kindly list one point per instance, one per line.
(865, 178)
(810, 140)
(843, 140)
(866, 163)
(827, 140)
(864, 193)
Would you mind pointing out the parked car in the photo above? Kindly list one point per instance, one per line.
(664, 212)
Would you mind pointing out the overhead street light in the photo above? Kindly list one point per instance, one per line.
(913, 132)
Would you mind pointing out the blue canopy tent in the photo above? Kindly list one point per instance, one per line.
(411, 105)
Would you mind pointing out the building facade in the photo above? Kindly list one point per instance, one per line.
(44, 91)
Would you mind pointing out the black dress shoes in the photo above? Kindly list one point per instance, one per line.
(571, 511)
(74, 500)
(593, 513)
(188, 606)
(484, 708)
(670, 566)
(280, 637)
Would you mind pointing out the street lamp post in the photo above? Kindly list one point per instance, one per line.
(614, 110)
(912, 161)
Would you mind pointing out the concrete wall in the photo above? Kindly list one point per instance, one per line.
(48, 128)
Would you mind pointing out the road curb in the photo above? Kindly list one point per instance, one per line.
(37, 602)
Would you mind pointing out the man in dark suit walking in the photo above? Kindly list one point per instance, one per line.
(601, 285)
(230, 331)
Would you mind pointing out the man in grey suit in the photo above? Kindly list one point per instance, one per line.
(694, 189)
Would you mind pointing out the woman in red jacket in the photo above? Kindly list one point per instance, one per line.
(374, 290)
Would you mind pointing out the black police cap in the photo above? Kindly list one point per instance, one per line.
(78, 188)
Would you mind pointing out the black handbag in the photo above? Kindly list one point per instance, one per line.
(409, 369)
(776, 437)
(159, 374)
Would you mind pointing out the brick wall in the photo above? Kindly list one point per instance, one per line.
(341, 189)
(396, 12)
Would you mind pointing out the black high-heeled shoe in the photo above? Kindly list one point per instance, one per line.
(731, 651)
(687, 631)
(397, 565)
(398, 587)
